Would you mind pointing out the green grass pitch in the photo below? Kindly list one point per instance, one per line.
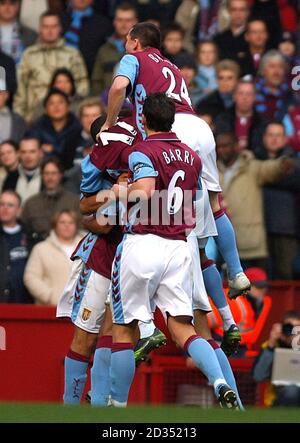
(53, 413)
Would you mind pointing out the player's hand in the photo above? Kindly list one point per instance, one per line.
(104, 127)
(123, 179)
(275, 335)
(120, 191)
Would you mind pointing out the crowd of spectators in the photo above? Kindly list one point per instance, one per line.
(59, 56)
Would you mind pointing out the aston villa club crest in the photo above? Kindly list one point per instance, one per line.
(86, 314)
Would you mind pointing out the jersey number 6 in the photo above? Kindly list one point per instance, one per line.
(175, 193)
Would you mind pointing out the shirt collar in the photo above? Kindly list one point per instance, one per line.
(163, 136)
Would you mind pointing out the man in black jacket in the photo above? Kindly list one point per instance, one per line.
(242, 118)
(14, 251)
(85, 30)
(281, 205)
(10, 81)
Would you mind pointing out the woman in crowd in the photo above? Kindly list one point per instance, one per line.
(49, 264)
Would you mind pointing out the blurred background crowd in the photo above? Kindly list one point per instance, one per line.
(241, 62)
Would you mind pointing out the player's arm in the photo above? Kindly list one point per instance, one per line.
(143, 177)
(97, 225)
(121, 87)
(91, 203)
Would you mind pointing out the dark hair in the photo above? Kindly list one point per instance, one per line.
(291, 314)
(147, 33)
(256, 19)
(55, 91)
(52, 161)
(67, 73)
(273, 122)
(96, 126)
(28, 136)
(126, 6)
(174, 27)
(11, 143)
(159, 111)
(14, 193)
(50, 13)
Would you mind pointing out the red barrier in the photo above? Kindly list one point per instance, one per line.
(36, 343)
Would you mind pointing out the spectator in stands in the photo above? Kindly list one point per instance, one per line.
(90, 109)
(39, 209)
(242, 118)
(259, 286)
(31, 10)
(14, 37)
(172, 42)
(49, 264)
(58, 130)
(14, 251)
(164, 10)
(41, 60)
(207, 57)
(256, 37)
(242, 178)
(187, 16)
(213, 18)
(281, 336)
(246, 312)
(267, 10)
(85, 30)
(232, 41)
(282, 231)
(10, 81)
(62, 79)
(12, 125)
(9, 159)
(26, 179)
(113, 49)
(222, 98)
(291, 123)
(273, 95)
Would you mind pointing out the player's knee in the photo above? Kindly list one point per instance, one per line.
(84, 343)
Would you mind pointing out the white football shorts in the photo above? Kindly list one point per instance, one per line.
(150, 269)
(84, 297)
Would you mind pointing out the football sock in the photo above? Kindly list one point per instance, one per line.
(122, 372)
(146, 329)
(100, 372)
(206, 360)
(226, 243)
(75, 377)
(226, 369)
(214, 288)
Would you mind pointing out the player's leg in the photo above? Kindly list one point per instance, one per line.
(76, 364)
(203, 356)
(202, 328)
(214, 287)
(226, 243)
(174, 299)
(150, 338)
(134, 282)
(100, 372)
(122, 362)
(83, 343)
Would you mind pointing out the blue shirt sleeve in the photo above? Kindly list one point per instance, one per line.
(141, 166)
(91, 177)
(129, 67)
